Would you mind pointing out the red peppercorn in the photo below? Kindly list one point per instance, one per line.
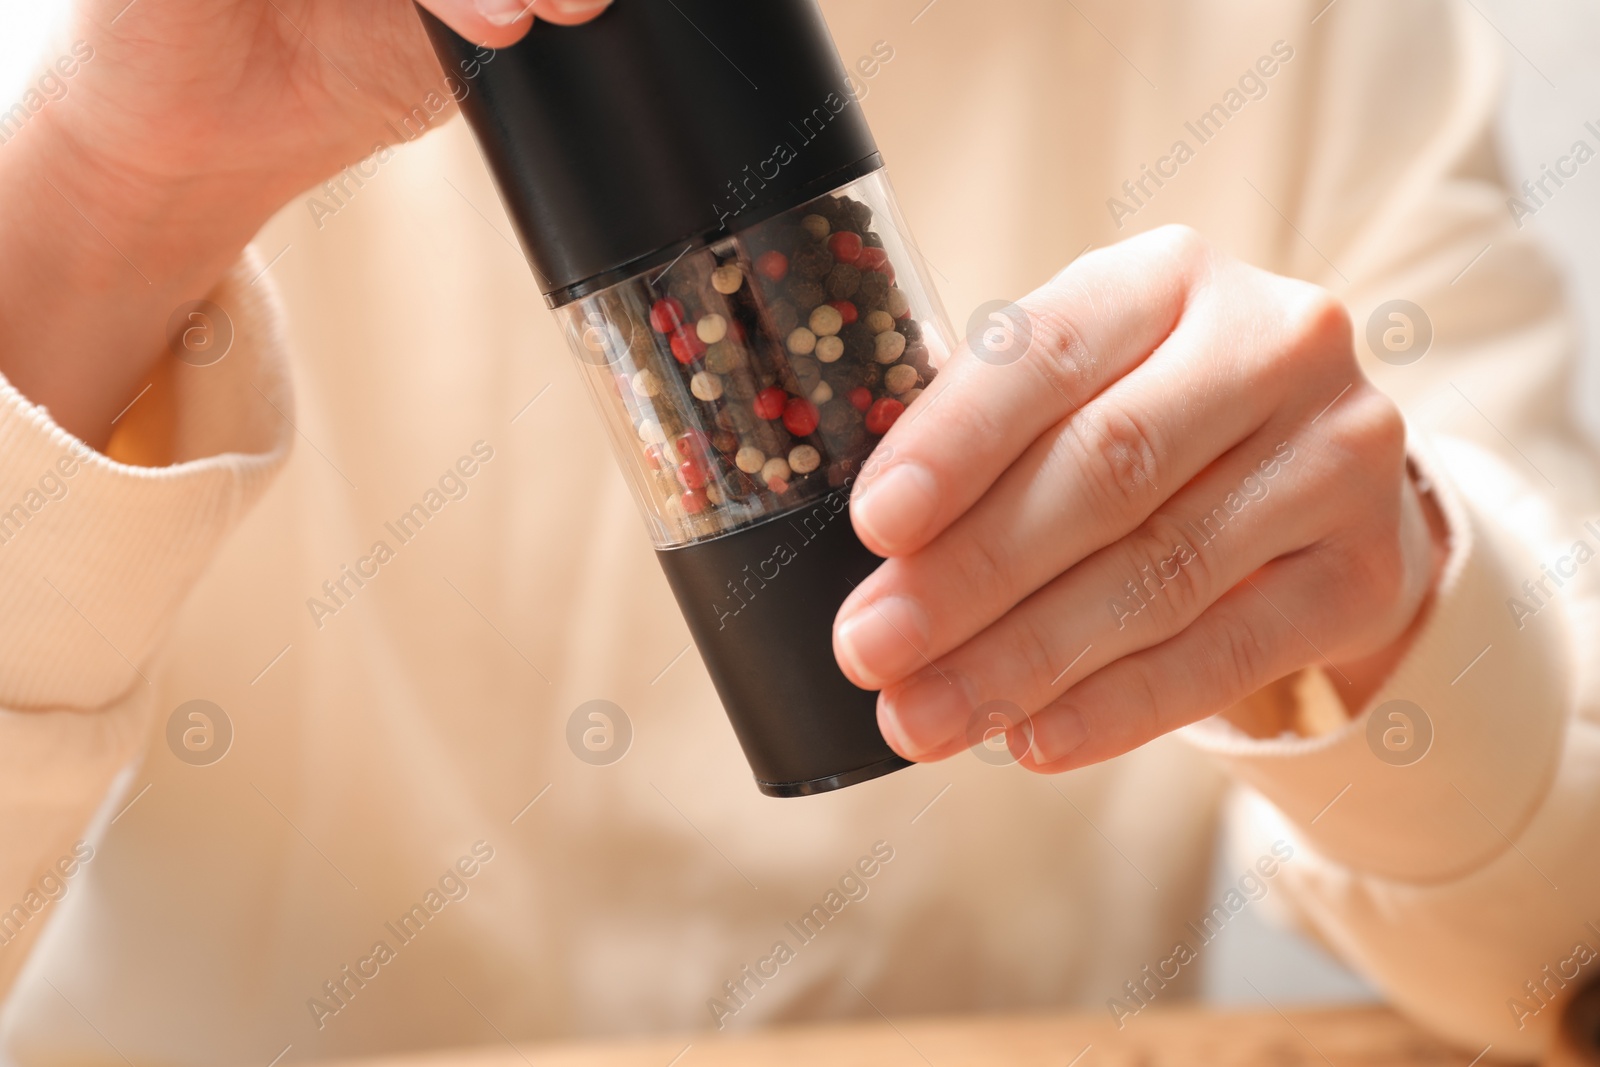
(692, 474)
(847, 311)
(882, 415)
(692, 445)
(694, 501)
(773, 265)
(800, 417)
(845, 246)
(861, 398)
(666, 314)
(872, 259)
(655, 457)
(770, 403)
(686, 345)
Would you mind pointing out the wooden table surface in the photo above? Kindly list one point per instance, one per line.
(1189, 1037)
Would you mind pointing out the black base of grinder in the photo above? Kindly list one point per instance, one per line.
(760, 604)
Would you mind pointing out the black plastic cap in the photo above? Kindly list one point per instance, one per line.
(617, 142)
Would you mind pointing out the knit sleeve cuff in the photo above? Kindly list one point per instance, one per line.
(96, 554)
(1454, 754)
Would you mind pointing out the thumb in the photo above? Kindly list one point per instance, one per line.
(498, 23)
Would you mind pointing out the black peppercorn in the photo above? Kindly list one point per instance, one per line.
(843, 281)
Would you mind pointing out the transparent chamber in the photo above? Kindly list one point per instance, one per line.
(755, 374)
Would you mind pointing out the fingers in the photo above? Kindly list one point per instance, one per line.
(1085, 483)
(1244, 511)
(499, 23)
(1257, 633)
(1095, 322)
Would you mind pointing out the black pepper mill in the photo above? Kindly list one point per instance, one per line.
(700, 197)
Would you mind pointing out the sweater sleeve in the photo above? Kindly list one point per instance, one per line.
(96, 557)
(1444, 836)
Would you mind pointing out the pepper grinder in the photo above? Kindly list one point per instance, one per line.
(704, 207)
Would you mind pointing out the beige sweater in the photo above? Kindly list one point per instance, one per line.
(219, 913)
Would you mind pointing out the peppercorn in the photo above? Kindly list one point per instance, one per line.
(802, 342)
(773, 265)
(776, 474)
(826, 321)
(880, 322)
(727, 279)
(769, 403)
(861, 398)
(899, 303)
(686, 345)
(829, 349)
(800, 417)
(711, 328)
(646, 383)
(846, 247)
(882, 415)
(900, 378)
(874, 289)
(813, 263)
(816, 225)
(804, 459)
(750, 459)
(888, 347)
(873, 259)
(858, 341)
(807, 294)
(708, 387)
(666, 314)
(843, 282)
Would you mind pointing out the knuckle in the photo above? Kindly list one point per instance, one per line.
(988, 570)
(1318, 322)
(1031, 645)
(1177, 578)
(1058, 350)
(1238, 662)
(1115, 452)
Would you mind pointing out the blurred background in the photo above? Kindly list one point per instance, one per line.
(1552, 88)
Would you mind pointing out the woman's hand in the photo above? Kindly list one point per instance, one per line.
(1183, 490)
(188, 124)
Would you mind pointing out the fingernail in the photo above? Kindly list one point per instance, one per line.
(895, 508)
(502, 12)
(929, 711)
(579, 7)
(1057, 734)
(883, 641)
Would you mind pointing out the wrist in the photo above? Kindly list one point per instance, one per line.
(94, 257)
(1425, 529)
